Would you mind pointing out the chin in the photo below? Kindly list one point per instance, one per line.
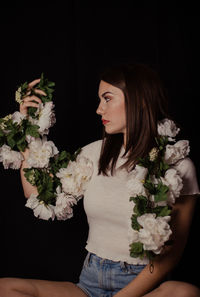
(112, 131)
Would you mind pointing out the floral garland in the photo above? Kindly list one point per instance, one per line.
(157, 184)
(61, 178)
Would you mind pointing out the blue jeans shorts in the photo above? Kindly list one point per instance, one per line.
(104, 278)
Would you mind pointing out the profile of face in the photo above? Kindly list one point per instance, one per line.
(112, 108)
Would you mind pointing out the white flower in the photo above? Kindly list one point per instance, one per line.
(83, 170)
(40, 210)
(167, 127)
(135, 182)
(17, 117)
(64, 204)
(155, 231)
(173, 180)
(75, 176)
(40, 152)
(4, 120)
(18, 95)
(3, 124)
(140, 172)
(30, 138)
(153, 154)
(136, 188)
(46, 117)
(70, 184)
(177, 151)
(10, 158)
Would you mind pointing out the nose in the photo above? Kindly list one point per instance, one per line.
(100, 109)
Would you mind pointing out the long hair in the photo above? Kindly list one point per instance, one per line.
(145, 104)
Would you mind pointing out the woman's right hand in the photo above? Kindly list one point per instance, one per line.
(28, 100)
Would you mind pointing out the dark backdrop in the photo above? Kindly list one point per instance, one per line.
(71, 44)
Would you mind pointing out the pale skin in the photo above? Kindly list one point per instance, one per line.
(112, 108)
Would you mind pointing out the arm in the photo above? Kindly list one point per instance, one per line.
(28, 102)
(163, 264)
(27, 187)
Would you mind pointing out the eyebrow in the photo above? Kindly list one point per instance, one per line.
(105, 93)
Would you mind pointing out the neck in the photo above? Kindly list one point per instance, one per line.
(124, 144)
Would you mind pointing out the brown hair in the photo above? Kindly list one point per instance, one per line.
(146, 103)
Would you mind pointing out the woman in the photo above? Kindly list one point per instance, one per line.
(132, 101)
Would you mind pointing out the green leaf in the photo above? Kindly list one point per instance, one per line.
(62, 156)
(134, 223)
(136, 250)
(45, 188)
(162, 211)
(32, 130)
(150, 187)
(45, 184)
(74, 156)
(163, 167)
(1, 133)
(10, 140)
(29, 174)
(144, 162)
(162, 141)
(32, 111)
(141, 205)
(22, 146)
(161, 192)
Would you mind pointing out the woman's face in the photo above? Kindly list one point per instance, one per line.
(112, 108)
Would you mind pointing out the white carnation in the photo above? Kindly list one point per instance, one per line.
(64, 204)
(173, 180)
(83, 170)
(10, 158)
(136, 188)
(70, 184)
(167, 127)
(75, 176)
(40, 152)
(46, 117)
(135, 182)
(40, 210)
(17, 117)
(155, 231)
(177, 151)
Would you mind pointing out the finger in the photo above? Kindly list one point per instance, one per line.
(30, 104)
(28, 93)
(31, 98)
(33, 83)
(38, 91)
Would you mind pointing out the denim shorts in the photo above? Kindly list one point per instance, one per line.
(104, 278)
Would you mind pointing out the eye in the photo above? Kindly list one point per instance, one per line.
(107, 99)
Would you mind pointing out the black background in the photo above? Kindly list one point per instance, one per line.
(71, 43)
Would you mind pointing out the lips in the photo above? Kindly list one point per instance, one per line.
(105, 122)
